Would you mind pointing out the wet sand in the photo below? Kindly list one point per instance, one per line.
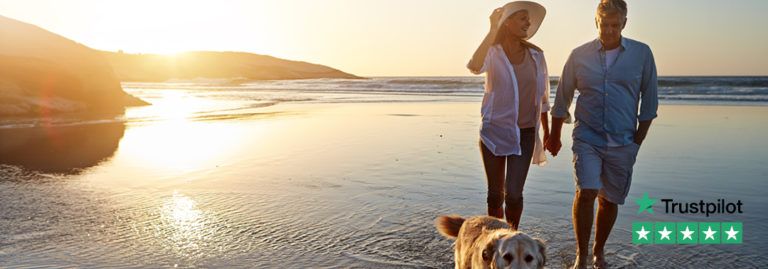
(344, 185)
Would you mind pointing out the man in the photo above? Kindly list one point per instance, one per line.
(614, 75)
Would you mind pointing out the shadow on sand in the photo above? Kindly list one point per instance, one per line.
(60, 149)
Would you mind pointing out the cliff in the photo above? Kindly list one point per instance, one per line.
(42, 73)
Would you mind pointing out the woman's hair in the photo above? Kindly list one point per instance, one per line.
(502, 35)
(612, 6)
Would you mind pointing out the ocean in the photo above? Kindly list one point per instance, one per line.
(332, 173)
(672, 90)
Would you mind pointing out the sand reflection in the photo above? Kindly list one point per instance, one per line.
(184, 225)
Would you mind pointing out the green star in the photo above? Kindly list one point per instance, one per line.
(642, 233)
(645, 203)
(732, 232)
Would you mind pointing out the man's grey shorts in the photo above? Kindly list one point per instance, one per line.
(608, 169)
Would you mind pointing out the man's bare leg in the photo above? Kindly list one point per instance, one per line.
(606, 216)
(583, 214)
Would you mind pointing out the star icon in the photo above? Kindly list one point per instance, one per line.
(731, 233)
(687, 233)
(645, 203)
(734, 232)
(642, 233)
(665, 233)
(710, 234)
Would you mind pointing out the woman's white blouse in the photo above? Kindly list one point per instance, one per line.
(499, 130)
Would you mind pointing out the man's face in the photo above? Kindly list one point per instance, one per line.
(609, 26)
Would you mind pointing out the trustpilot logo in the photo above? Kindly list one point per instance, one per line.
(645, 203)
(687, 233)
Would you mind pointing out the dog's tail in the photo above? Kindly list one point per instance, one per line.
(449, 226)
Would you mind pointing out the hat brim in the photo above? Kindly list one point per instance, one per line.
(536, 13)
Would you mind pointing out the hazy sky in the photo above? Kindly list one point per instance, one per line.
(404, 38)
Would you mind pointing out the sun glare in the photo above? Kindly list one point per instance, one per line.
(171, 140)
(175, 106)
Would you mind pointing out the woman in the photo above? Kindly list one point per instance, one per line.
(516, 99)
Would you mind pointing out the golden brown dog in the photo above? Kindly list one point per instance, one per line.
(488, 242)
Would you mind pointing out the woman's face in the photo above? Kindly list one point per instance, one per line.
(517, 24)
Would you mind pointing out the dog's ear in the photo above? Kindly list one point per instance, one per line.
(488, 251)
(543, 252)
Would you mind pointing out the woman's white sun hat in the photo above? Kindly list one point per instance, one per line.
(536, 14)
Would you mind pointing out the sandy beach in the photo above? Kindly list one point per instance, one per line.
(330, 185)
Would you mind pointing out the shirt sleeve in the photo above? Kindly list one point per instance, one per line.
(565, 91)
(648, 90)
(486, 62)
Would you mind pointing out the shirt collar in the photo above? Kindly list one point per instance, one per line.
(599, 45)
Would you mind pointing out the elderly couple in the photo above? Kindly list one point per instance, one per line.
(615, 77)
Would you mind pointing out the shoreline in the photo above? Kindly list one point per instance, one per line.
(115, 116)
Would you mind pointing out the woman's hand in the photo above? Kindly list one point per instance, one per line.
(478, 58)
(495, 16)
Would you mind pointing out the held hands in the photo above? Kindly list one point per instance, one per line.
(553, 144)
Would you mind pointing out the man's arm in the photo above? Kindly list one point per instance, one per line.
(649, 99)
(545, 125)
(554, 143)
(545, 107)
(563, 98)
(477, 62)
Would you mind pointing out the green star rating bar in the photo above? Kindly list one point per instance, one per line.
(687, 233)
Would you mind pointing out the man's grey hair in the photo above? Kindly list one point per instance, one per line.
(612, 6)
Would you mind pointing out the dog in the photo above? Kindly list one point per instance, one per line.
(488, 242)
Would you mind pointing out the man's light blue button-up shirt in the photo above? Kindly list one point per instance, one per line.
(609, 96)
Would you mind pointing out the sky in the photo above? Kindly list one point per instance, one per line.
(401, 37)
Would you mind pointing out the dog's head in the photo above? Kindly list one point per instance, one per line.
(510, 249)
